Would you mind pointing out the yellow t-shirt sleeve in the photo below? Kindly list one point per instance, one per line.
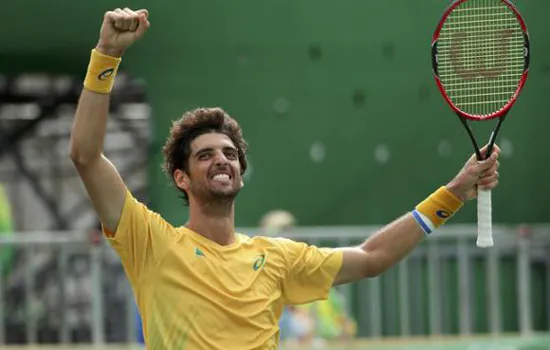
(310, 271)
(142, 238)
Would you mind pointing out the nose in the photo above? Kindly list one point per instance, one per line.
(221, 159)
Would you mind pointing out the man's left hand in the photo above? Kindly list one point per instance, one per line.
(476, 175)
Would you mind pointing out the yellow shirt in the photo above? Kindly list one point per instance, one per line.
(194, 294)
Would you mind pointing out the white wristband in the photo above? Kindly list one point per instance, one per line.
(425, 223)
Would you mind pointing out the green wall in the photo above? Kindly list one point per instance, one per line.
(355, 75)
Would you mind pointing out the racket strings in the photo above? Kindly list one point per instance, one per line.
(481, 56)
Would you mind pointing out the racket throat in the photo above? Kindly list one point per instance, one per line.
(492, 139)
(471, 135)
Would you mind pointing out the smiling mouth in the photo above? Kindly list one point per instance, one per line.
(221, 177)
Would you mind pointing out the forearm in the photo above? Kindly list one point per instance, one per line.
(89, 126)
(90, 123)
(397, 239)
(392, 243)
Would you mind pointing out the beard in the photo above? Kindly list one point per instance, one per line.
(216, 195)
(228, 194)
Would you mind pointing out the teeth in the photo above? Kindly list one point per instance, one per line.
(221, 177)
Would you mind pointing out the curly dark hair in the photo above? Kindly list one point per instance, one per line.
(192, 124)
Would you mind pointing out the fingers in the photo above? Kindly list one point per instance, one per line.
(486, 165)
(491, 170)
(126, 19)
(495, 149)
(143, 23)
(133, 17)
(489, 182)
(477, 171)
(483, 152)
(143, 12)
(111, 16)
(481, 174)
(490, 177)
(122, 23)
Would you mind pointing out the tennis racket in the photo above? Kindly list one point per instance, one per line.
(480, 60)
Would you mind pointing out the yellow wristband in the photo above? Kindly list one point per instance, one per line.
(440, 206)
(101, 73)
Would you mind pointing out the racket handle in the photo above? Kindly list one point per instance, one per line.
(484, 219)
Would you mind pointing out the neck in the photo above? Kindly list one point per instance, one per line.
(215, 221)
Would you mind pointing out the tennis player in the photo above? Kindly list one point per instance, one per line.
(203, 285)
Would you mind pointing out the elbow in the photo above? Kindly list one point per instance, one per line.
(374, 271)
(80, 157)
(377, 264)
(76, 156)
(381, 263)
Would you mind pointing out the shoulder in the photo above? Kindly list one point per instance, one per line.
(273, 249)
(286, 248)
(137, 215)
(268, 242)
(272, 245)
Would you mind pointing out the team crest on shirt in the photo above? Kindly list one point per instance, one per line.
(259, 262)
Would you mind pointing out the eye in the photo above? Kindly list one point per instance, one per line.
(231, 154)
(204, 156)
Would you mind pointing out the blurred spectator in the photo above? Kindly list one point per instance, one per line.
(139, 327)
(314, 324)
(275, 221)
(301, 326)
(6, 229)
(332, 319)
(310, 324)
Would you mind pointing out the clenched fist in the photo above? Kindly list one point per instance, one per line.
(120, 29)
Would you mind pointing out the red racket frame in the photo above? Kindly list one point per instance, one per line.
(501, 113)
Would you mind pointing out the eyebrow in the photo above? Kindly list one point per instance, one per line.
(210, 149)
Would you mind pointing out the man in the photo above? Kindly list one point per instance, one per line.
(203, 286)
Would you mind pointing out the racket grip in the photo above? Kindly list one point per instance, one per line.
(484, 219)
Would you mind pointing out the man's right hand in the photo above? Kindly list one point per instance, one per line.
(120, 29)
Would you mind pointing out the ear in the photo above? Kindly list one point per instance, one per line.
(182, 180)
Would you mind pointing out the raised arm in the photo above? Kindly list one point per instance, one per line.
(397, 239)
(103, 183)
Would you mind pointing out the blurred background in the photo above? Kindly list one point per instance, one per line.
(346, 131)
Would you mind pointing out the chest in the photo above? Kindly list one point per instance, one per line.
(227, 295)
(252, 273)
